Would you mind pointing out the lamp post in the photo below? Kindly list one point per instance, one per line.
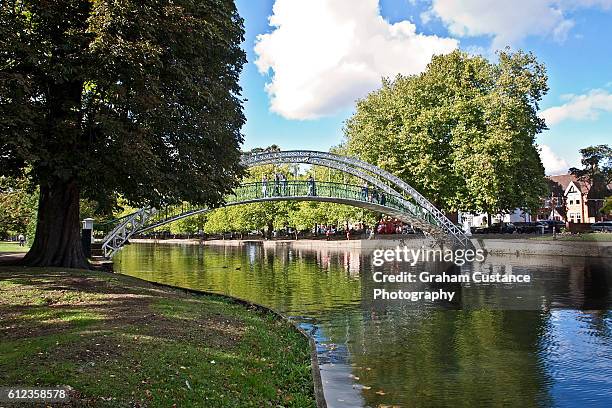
(87, 236)
(554, 222)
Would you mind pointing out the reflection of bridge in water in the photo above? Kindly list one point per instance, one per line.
(393, 197)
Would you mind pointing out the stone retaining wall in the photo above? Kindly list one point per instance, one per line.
(509, 246)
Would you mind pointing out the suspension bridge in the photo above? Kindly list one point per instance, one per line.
(394, 197)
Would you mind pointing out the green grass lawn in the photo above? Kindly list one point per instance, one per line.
(585, 237)
(6, 246)
(121, 342)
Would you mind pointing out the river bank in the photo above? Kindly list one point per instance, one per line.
(496, 245)
(120, 341)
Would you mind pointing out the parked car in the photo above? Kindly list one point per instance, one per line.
(493, 229)
(547, 226)
(479, 230)
(508, 228)
(407, 229)
(526, 227)
(602, 226)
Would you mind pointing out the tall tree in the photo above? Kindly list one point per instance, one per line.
(596, 172)
(596, 165)
(100, 98)
(462, 132)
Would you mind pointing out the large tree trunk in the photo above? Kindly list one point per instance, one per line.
(58, 239)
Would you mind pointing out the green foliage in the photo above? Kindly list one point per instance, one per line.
(18, 205)
(607, 207)
(189, 225)
(462, 132)
(596, 170)
(302, 216)
(240, 218)
(133, 98)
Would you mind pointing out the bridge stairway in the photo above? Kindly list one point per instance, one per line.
(96, 250)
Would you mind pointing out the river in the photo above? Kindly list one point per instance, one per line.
(545, 343)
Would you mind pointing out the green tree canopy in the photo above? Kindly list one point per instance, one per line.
(462, 132)
(101, 98)
(18, 200)
(596, 171)
(607, 206)
(596, 166)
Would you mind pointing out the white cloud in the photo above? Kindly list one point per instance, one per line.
(579, 107)
(553, 164)
(508, 22)
(604, 4)
(325, 54)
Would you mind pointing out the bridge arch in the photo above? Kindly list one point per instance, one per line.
(385, 181)
(401, 200)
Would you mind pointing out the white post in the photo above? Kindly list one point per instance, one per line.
(87, 236)
(88, 225)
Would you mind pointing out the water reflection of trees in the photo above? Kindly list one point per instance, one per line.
(301, 281)
(447, 358)
(311, 280)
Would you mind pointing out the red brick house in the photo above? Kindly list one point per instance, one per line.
(575, 200)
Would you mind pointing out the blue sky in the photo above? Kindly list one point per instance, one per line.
(321, 55)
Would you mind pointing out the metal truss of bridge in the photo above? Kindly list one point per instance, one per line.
(394, 197)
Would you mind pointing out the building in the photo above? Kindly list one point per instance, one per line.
(480, 219)
(572, 200)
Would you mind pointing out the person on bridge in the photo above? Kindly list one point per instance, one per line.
(383, 199)
(284, 184)
(364, 191)
(374, 195)
(264, 185)
(276, 184)
(311, 186)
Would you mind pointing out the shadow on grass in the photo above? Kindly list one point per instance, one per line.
(120, 342)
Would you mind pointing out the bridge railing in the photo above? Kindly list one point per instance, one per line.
(273, 190)
(302, 189)
(104, 227)
(374, 199)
